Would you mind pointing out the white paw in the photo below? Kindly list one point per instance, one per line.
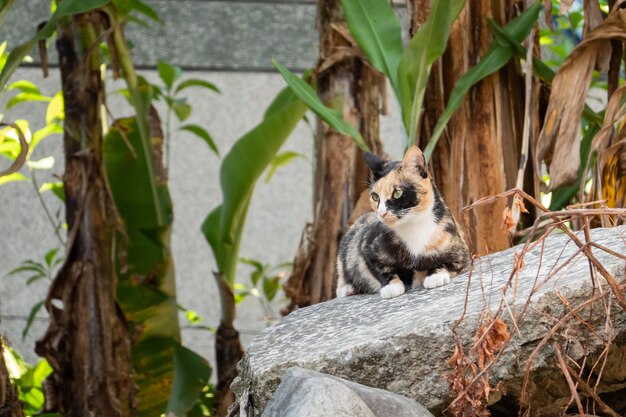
(437, 279)
(393, 289)
(344, 291)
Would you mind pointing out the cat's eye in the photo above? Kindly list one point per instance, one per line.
(397, 194)
(375, 197)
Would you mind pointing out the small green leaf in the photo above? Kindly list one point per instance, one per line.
(50, 255)
(16, 176)
(280, 160)
(35, 278)
(27, 267)
(202, 134)
(310, 98)
(196, 83)
(43, 163)
(23, 97)
(144, 9)
(181, 109)
(270, 287)
(24, 86)
(252, 262)
(168, 73)
(255, 276)
(56, 109)
(55, 187)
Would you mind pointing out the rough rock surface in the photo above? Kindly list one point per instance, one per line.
(303, 392)
(403, 344)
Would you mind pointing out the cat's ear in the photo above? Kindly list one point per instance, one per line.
(414, 161)
(376, 164)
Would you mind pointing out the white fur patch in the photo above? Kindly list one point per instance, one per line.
(393, 289)
(437, 279)
(417, 231)
(344, 291)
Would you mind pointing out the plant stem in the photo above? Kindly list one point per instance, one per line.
(45, 208)
(168, 135)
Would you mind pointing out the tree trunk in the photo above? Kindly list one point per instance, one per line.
(87, 342)
(10, 405)
(352, 88)
(479, 152)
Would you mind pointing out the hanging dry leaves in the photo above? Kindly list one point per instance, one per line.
(593, 18)
(469, 378)
(558, 143)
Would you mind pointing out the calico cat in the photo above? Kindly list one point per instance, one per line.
(411, 234)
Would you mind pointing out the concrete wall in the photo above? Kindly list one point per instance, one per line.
(229, 43)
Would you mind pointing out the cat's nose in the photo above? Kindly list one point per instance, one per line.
(382, 213)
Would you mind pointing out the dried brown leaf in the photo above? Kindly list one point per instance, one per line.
(559, 139)
(612, 165)
(615, 112)
(508, 222)
(547, 13)
(564, 6)
(341, 54)
(593, 18)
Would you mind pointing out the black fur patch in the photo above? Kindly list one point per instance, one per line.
(379, 166)
(407, 200)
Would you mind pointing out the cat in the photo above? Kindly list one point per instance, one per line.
(410, 236)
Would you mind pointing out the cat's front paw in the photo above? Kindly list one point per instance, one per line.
(393, 289)
(344, 291)
(437, 279)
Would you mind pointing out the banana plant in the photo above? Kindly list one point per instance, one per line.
(170, 377)
(223, 228)
(377, 31)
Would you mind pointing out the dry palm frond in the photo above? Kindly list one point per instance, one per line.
(558, 143)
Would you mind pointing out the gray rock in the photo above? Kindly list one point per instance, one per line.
(404, 344)
(303, 392)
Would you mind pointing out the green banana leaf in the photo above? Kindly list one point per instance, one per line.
(64, 8)
(428, 44)
(146, 287)
(377, 31)
(308, 95)
(496, 57)
(5, 8)
(239, 172)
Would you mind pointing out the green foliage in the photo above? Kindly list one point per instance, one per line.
(239, 172)
(33, 272)
(265, 281)
(309, 97)
(176, 104)
(428, 44)
(64, 8)
(377, 31)
(191, 374)
(280, 160)
(146, 281)
(28, 379)
(496, 57)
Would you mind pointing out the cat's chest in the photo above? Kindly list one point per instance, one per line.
(418, 236)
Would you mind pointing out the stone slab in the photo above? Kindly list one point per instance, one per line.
(404, 344)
